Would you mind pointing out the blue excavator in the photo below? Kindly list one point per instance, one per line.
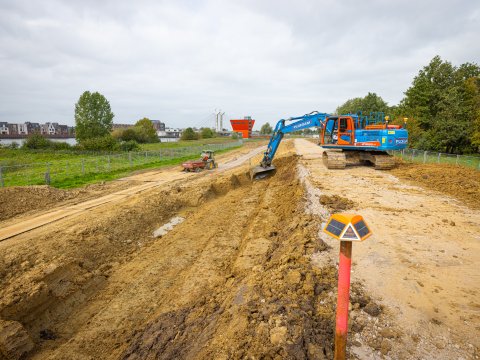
(351, 139)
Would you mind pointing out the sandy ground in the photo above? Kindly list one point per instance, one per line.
(422, 261)
(243, 270)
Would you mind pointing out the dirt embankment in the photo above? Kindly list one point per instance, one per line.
(19, 200)
(457, 181)
(233, 280)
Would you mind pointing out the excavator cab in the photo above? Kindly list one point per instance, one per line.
(338, 130)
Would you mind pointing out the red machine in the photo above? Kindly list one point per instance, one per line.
(207, 161)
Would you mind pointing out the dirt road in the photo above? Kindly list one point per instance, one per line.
(422, 262)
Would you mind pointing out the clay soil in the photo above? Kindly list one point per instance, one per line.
(19, 200)
(247, 274)
(459, 182)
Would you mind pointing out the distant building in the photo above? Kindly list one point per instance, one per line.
(169, 133)
(12, 129)
(4, 128)
(243, 126)
(23, 130)
(158, 125)
(33, 127)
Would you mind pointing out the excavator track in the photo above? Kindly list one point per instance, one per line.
(383, 162)
(334, 159)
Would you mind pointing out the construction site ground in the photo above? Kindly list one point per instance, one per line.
(240, 269)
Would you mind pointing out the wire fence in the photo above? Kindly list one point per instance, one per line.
(39, 173)
(425, 157)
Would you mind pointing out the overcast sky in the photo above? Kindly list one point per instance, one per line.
(179, 60)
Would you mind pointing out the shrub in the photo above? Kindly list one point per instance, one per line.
(138, 134)
(189, 134)
(207, 133)
(105, 143)
(130, 145)
(37, 141)
(234, 135)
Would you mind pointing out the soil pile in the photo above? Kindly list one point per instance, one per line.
(336, 203)
(19, 200)
(459, 182)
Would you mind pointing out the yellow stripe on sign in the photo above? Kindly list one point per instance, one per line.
(383, 140)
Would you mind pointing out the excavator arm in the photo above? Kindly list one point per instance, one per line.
(301, 122)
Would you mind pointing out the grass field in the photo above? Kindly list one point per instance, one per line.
(69, 169)
(430, 157)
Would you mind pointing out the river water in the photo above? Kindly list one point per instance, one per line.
(70, 141)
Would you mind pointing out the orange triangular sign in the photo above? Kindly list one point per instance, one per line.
(349, 234)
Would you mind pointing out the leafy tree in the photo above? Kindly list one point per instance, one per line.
(266, 129)
(189, 134)
(146, 130)
(443, 104)
(207, 133)
(93, 116)
(370, 103)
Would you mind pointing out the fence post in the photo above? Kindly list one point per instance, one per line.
(47, 175)
(425, 156)
(145, 154)
(403, 153)
(108, 162)
(130, 158)
(83, 166)
(456, 161)
(96, 166)
(2, 184)
(413, 154)
(438, 159)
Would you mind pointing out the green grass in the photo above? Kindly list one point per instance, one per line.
(431, 157)
(73, 171)
(186, 143)
(10, 157)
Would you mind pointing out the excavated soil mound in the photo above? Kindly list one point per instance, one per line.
(18, 200)
(457, 181)
(336, 203)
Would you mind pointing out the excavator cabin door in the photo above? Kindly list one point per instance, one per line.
(346, 129)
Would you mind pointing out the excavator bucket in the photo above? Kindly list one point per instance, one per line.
(260, 172)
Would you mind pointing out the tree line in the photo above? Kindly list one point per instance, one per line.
(442, 106)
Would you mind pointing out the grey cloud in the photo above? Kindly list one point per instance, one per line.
(178, 60)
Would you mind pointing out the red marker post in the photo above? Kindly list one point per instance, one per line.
(346, 228)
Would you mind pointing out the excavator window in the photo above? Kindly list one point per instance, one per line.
(331, 130)
(343, 124)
